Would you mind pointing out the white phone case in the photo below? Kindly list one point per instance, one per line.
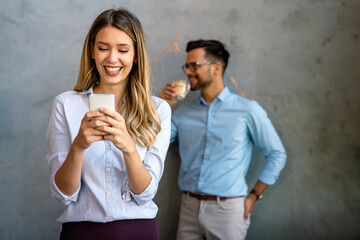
(97, 101)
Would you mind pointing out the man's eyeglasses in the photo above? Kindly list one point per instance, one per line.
(193, 65)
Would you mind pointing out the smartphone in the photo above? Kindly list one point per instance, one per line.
(97, 101)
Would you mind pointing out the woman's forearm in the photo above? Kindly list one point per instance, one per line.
(138, 176)
(68, 177)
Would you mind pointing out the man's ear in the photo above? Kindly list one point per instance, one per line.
(217, 68)
(92, 51)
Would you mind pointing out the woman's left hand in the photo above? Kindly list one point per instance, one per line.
(118, 133)
(139, 177)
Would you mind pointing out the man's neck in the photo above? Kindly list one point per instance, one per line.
(212, 91)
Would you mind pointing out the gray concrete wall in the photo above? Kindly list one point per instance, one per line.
(299, 59)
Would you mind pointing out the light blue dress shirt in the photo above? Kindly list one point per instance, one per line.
(216, 141)
(104, 194)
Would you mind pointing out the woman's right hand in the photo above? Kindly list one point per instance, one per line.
(168, 93)
(68, 177)
(87, 132)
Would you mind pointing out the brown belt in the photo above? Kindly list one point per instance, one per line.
(207, 197)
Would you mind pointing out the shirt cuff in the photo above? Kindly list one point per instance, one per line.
(58, 195)
(144, 197)
(268, 177)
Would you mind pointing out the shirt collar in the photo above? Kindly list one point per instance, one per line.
(222, 96)
(89, 91)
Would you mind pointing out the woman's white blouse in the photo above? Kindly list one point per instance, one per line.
(104, 194)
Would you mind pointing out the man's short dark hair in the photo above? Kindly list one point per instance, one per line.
(214, 50)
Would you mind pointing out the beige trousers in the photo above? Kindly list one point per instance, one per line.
(212, 219)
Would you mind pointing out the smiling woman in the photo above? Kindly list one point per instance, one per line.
(105, 165)
(113, 52)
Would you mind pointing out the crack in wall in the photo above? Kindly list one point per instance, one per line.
(13, 165)
(17, 223)
(175, 43)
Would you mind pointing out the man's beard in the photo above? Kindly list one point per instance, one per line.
(201, 85)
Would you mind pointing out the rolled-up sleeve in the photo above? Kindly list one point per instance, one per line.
(154, 159)
(58, 140)
(265, 137)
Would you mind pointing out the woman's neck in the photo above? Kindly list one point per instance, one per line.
(117, 90)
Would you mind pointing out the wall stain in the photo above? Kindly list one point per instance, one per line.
(326, 41)
(319, 61)
(233, 17)
(6, 19)
(296, 19)
(356, 37)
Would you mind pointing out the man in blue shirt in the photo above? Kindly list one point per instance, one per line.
(215, 135)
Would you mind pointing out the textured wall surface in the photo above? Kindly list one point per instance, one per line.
(299, 59)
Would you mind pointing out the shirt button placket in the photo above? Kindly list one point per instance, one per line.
(108, 177)
(206, 147)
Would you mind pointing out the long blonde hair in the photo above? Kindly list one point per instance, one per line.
(139, 112)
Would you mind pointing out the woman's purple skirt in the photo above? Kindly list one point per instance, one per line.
(136, 229)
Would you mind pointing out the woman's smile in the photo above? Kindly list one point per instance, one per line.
(112, 71)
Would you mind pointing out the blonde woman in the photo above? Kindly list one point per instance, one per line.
(105, 165)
